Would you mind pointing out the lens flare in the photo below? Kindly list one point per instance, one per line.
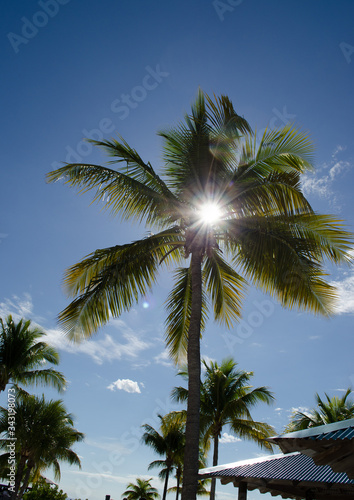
(210, 213)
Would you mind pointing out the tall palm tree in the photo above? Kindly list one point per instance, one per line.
(228, 203)
(169, 442)
(226, 398)
(22, 353)
(142, 489)
(333, 410)
(44, 435)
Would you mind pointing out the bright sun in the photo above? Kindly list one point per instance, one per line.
(210, 213)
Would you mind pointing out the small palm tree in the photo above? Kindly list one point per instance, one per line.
(45, 434)
(333, 410)
(226, 398)
(142, 489)
(22, 352)
(169, 442)
(225, 208)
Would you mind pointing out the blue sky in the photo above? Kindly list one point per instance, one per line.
(73, 69)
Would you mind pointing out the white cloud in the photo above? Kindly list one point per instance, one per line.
(300, 409)
(17, 307)
(321, 182)
(124, 385)
(163, 359)
(228, 438)
(315, 337)
(345, 290)
(103, 349)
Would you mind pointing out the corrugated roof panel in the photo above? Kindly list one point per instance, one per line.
(291, 467)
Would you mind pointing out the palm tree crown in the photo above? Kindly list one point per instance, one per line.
(169, 442)
(334, 409)
(266, 233)
(227, 399)
(142, 489)
(44, 435)
(22, 352)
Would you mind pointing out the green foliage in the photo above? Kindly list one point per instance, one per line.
(333, 409)
(23, 352)
(268, 234)
(43, 491)
(141, 489)
(44, 435)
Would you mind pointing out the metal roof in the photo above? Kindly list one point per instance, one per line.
(291, 476)
(331, 444)
(337, 430)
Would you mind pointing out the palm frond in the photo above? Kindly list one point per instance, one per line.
(284, 257)
(111, 280)
(119, 192)
(179, 310)
(283, 150)
(47, 376)
(225, 287)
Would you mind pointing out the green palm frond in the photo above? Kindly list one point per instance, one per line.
(253, 431)
(224, 118)
(111, 280)
(135, 167)
(119, 192)
(224, 286)
(47, 376)
(179, 310)
(333, 409)
(280, 150)
(274, 254)
(278, 193)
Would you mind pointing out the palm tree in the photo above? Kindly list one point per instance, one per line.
(226, 398)
(227, 202)
(333, 410)
(142, 489)
(202, 483)
(22, 352)
(169, 442)
(44, 435)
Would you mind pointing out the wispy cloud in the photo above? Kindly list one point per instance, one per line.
(320, 183)
(124, 384)
(228, 438)
(100, 350)
(163, 359)
(345, 290)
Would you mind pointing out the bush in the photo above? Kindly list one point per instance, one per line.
(45, 492)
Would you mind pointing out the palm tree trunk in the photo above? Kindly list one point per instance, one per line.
(165, 485)
(25, 481)
(18, 476)
(191, 454)
(178, 481)
(215, 462)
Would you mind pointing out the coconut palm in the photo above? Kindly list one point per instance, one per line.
(168, 442)
(44, 435)
(23, 352)
(333, 410)
(226, 399)
(142, 489)
(228, 205)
